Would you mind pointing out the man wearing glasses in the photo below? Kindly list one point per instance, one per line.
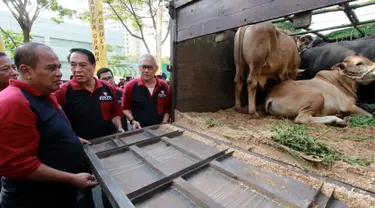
(107, 75)
(146, 100)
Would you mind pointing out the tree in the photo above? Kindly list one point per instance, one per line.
(11, 40)
(134, 14)
(27, 11)
(165, 60)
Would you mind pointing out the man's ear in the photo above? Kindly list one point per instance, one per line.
(25, 71)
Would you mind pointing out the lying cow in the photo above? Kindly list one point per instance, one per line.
(317, 55)
(330, 93)
(264, 52)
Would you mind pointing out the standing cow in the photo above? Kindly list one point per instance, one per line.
(266, 53)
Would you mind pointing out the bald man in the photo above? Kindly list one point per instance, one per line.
(7, 70)
(40, 156)
(146, 100)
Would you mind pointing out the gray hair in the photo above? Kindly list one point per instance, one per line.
(147, 55)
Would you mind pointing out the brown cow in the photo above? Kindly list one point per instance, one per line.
(328, 95)
(267, 53)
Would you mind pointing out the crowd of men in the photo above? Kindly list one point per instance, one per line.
(44, 123)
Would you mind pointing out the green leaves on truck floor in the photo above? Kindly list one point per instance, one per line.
(296, 137)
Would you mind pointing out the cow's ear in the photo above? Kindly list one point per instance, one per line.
(339, 66)
(305, 39)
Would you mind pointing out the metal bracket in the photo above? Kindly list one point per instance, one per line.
(302, 20)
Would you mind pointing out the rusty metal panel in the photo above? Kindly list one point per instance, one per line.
(159, 168)
(210, 16)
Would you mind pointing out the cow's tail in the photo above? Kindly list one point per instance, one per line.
(240, 46)
(268, 106)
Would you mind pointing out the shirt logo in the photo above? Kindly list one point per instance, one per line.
(105, 97)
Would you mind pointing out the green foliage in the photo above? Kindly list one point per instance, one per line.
(111, 48)
(61, 11)
(116, 60)
(133, 13)
(212, 123)
(165, 60)
(361, 121)
(11, 41)
(351, 33)
(286, 27)
(26, 12)
(297, 138)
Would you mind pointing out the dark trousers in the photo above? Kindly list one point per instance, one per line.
(85, 199)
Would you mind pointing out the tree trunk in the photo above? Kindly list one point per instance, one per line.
(159, 25)
(26, 35)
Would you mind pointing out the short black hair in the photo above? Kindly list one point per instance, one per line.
(3, 54)
(103, 70)
(89, 54)
(25, 54)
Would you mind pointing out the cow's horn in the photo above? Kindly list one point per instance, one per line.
(301, 70)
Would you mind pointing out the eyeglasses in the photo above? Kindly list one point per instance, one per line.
(107, 78)
(149, 67)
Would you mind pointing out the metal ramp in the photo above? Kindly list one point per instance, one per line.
(152, 167)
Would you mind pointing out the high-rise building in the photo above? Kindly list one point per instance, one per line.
(132, 46)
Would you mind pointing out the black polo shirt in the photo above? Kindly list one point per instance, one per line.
(148, 109)
(89, 113)
(34, 131)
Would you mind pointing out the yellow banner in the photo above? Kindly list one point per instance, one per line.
(97, 31)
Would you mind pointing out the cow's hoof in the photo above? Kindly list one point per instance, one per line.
(254, 115)
(241, 110)
(340, 123)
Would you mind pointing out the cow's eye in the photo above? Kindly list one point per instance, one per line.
(359, 64)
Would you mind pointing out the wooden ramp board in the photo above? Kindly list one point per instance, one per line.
(154, 167)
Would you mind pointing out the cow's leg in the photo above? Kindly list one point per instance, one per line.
(238, 83)
(252, 84)
(331, 120)
(355, 110)
(315, 103)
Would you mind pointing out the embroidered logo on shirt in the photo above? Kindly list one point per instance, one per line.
(105, 97)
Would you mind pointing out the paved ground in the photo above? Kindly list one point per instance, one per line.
(97, 197)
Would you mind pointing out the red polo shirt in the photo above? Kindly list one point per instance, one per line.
(90, 113)
(148, 109)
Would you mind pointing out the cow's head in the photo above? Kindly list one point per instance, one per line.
(357, 67)
(302, 42)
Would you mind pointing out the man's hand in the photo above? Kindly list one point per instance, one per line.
(83, 181)
(120, 130)
(84, 141)
(136, 125)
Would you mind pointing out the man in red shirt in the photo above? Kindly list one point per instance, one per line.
(107, 75)
(90, 104)
(40, 156)
(7, 70)
(146, 100)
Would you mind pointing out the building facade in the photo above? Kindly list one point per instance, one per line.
(62, 37)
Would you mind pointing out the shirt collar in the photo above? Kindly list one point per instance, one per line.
(77, 86)
(141, 83)
(24, 86)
